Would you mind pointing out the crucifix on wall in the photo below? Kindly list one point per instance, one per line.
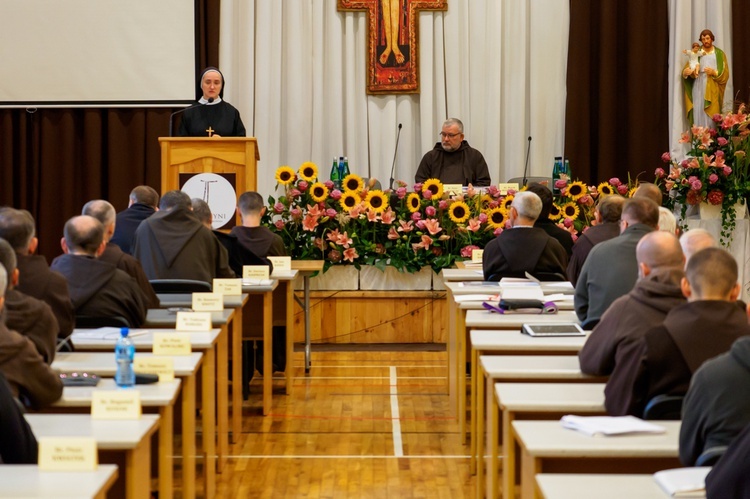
(392, 42)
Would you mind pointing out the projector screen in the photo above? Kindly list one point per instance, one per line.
(97, 53)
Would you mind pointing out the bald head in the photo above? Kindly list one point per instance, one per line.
(649, 191)
(667, 221)
(83, 235)
(659, 250)
(711, 274)
(695, 240)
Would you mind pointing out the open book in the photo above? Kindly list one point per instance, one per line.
(683, 482)
(609, 425)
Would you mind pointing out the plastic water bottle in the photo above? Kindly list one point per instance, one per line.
(124, 354)
(344, 168)
(336, 174)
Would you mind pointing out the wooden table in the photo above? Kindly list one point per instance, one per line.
(531, 401)
(307, 268)
(548, 447)
(161, 396)
(586, 486)
(130, 440)
(26, 480)
(283, 315)
(186, 368)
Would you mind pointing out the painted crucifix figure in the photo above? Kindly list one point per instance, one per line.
(392, 44)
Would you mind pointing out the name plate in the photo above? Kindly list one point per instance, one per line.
(67, 454)
(281, 262)
(116, 404)
(208, 302)
(504, 188)
(172, 344)
(229, 287)
(163, 366)
(255, 272)
(476, 255)
(193, 321)
(453, 189)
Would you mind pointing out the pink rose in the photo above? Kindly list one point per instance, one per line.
(418, 187)
(482, 218)
(715, 197)
(329, 184)
(568, 222)
(295, 212)
(716, 118)
(279, 224)
(443, 205)
(416, 216)
(622, 189)
(420, 224)
(727, 170)
(466, 250)
(401, 192)
(614, 181)
(430, 211)
(666, 157)
(713, 178)
(659, 172)
(278, 207)
(335, 194)
(427, 194)
(696, 186)
(294, 193)
(559, 184)
(498, 231)
(722, 141)
(331, 212)
(302, 185)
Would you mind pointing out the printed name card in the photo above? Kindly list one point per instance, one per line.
(193, 321)
(255, 272)
(116, 404)
(229, 287)
(208, 302)
(67, 454)
(281, 262)
(162, 366)
(504, 188)
(172, 344)
(476, 255)
(453, 189)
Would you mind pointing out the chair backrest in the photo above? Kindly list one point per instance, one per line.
(178, 286)
(664, 407)
(709, 456)
(530, 180)
(90, 322)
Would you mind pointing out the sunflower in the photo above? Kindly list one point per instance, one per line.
(459, 212)
(631, 192)
(484, 202)
(570, 210)
(318, 192)
(376, 201)
(605, 189)
(284, 175)
(496, 218)
(349, 200)
(413, 202)
(555, 212)
(576, 190)
(353, 182)
(433, 185)
(505, 204)
(308, 171)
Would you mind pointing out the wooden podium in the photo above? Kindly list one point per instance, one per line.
(237, 155)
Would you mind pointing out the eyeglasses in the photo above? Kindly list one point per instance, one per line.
(444, 135)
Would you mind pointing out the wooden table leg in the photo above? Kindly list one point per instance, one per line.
(208, 401)
(477, 416)
(530, 466)
(494, 470)
(188, 436)
(236, 342)
(222, 397)
(166, 451)
(137, 470)
(461, 337)
(473, 415)
(509, 455)
(289, 326)
(267, 352)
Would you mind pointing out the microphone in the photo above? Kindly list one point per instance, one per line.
(393, 166)
(526, 167)
(171, 116)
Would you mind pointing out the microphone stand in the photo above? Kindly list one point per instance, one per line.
(395, 151)
(526, 167)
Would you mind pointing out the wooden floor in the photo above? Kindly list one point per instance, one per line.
(361, 424)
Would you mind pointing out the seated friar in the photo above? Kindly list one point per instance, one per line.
(523, 248)
(664, 360)
(104, 212)
(18, 445)
(254, 237)
(35, 277)
(657, 291)
(97, 288)
(27, 315)
(142, 203)
(174, 244)
(31, 380)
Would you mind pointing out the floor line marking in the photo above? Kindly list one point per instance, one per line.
(340, 457)
(301, 378)
(398, 444)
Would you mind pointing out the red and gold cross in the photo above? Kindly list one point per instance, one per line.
(392, 42)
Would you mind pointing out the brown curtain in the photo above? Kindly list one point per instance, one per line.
(739, 67)
(616, 119)
(54, 160)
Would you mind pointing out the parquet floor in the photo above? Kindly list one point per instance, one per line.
(361, 424)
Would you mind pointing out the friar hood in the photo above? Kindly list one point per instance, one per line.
(85, 275)
(172, 230)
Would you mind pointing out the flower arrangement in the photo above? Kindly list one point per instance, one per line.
(406, 229)
(715, 170)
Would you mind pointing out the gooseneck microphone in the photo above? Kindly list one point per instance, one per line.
(395, 151)
(526, 167)
(171, 116)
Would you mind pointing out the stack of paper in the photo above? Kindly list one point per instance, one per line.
(521, 289)
(683, 482)
(475, 297)
(609, 425)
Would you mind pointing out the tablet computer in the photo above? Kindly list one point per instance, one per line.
(561, 329)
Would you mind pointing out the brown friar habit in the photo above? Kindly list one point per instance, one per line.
(260, 240)
(670, 353)
(175, 245)
(37, 280)
(523, 249)
(33, 319)
(99, 289)
(114, 255)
